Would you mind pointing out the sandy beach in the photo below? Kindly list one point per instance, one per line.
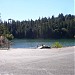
(53, 61)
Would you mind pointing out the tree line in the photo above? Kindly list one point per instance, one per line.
(51, 27)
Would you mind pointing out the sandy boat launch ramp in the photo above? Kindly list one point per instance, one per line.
(37, 61)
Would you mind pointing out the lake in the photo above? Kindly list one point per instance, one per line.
(33, 43)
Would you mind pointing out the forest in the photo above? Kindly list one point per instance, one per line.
(62, 26)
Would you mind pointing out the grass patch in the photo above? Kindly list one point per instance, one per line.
(56, 45)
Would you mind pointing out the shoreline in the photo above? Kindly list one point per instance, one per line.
(13, 49)
(37, 48)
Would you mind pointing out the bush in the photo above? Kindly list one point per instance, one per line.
(56, 45)
(9, 36)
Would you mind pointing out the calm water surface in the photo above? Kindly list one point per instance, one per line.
(33, 43)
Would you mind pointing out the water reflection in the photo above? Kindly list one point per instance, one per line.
(33, 43)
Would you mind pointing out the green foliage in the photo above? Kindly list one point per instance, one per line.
(54, 27)
(3, 29)
(9, 36)
(5, 32)
(56, 45)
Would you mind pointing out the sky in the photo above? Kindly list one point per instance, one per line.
(33, 9)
